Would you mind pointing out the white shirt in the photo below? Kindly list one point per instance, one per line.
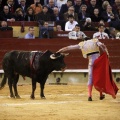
(74, 35)
(70, 26)
(100, 35)
(60, 2)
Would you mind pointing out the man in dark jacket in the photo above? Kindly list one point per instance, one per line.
(44, 15)
(4, 26)
(5, 15)
(64, 7)
(45, 31)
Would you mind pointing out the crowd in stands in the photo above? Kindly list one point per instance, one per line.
(66, 13)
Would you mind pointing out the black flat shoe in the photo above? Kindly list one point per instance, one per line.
(89, 99)
(102, 97)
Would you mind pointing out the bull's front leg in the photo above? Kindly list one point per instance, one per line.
(42, 90)
(33, 89)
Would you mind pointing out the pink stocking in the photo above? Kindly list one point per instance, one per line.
(90, 90)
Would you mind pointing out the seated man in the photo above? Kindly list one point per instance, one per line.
(76, 34)
(30, 34)
(88, 25)
(101, 34)
(5, 15)
(4, 26)
(118, 35)
(70, 24)
(112, 32)
(59, 28)
(45, 31)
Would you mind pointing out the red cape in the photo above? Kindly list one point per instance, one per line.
(102, 76)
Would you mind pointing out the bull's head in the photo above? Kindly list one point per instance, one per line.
(58, 59)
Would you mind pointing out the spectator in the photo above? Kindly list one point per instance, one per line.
(71, 11)
(59, 28)
(92, 6)
(56, 16)
(105, 28)
(11, 6)
(77, 5)
(118, 35)
(64, 7)
(112, 32)
(44, 15)
(45, 31)
(116, 6)
(17, 2)
(50, 6)
(101, 34)
(5, 15)
(76, 34)
(4, 26)
(30, 16)
(19, 15)
(96, 17)
(70, 24)
(37, 7)
(108, 15)
(88, 25)
(47, 1)
(30, 34)
(23, 6)
(1, 7)
(83, 13)
(59, 3)
(104, 5)
(118, 14)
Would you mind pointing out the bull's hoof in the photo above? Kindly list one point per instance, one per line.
(12, 96)
(17, 96)
(43, 97)
(32, 97)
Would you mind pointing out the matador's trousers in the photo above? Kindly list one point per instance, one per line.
(91, 58)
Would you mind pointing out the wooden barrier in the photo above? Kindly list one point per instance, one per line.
(51, 23)
(25, 23)
(64, 34)
(17, 29)
(73, 61)
(6, 34)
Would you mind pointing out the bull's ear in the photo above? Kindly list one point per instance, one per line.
(65, 54)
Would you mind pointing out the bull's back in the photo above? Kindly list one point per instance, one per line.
(5, 61)
(16, 61)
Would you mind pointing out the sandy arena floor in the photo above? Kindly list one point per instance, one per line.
(63, 102)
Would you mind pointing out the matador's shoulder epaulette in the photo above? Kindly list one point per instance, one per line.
(95, 40)
(81, 44)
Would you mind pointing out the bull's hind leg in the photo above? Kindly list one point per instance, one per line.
(15, 81)
(33, 89)
(10, 82)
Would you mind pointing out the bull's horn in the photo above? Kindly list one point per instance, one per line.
(65, 54)
(52, 56)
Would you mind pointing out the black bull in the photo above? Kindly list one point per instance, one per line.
(36, 65)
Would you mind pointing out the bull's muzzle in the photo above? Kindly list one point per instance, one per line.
(63, 69)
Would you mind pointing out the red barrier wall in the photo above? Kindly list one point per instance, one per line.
(73, 61)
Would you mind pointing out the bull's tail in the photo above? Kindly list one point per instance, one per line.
(4, 80)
